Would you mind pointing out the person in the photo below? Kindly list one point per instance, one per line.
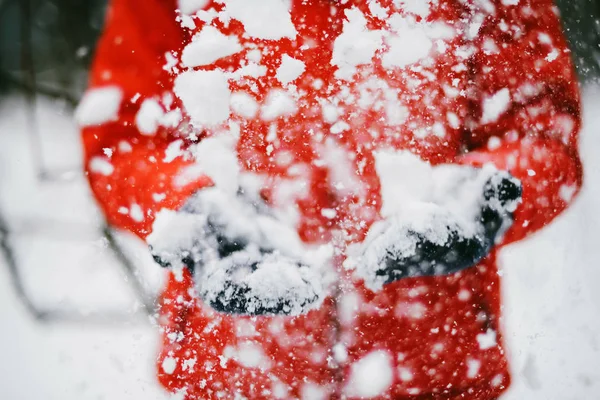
(329, 183)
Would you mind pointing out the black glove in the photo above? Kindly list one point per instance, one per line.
(437, 237)
(244, 260)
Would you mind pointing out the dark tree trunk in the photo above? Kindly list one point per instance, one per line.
(581, 21)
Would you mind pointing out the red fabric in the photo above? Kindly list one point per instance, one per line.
(428, 326)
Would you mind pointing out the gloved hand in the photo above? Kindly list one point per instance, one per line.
(244, 259)
(467, 211)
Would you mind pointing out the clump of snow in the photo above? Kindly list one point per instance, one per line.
(371, 376)
(497, 380)
(279, 389)
(136, 213)
(251, 355)
(473, 367)
(330, 112)
(252, 70)
(99, 105)
(101, 165)
(417, 7)
(329, 213)
(340, 352)
(464, 295)
(169, 364)
(339, 127)
(566, 192)
(405, 374)
(377, 10)
(188, 175)
(553, 55)
(495, 105)
(208, 46)
(343, 172)
(174, 233)
(404, 178)
(487, 340)
(244, 105)
(408, 44)
(234, 217)
(191, 6)
(289, 70)
(217, 157)
(149, 116)
(312, 391)
(262, 19)
(170, 63)
(186, 21)
(173, 150)
(412, 310)
(455, 187)
(348, 307)
(407, 40)
(205, 95)
(279, 103)
(355, 46)
(494, 143)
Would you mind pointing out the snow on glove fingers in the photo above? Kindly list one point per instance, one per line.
(210, 226)
(433, 258)
(254, 283)
(456, 228)
(245, 261)
(501, 195)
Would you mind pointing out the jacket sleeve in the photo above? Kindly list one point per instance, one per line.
(526, 107)
(125, 146)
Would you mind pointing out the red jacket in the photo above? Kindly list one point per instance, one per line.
(471, 82)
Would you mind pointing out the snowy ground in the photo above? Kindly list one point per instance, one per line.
(552, 305)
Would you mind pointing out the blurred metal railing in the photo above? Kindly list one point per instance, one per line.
(27, 84)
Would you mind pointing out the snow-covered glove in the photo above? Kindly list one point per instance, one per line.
(244, 259)
(255, 282)
(466, 212)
